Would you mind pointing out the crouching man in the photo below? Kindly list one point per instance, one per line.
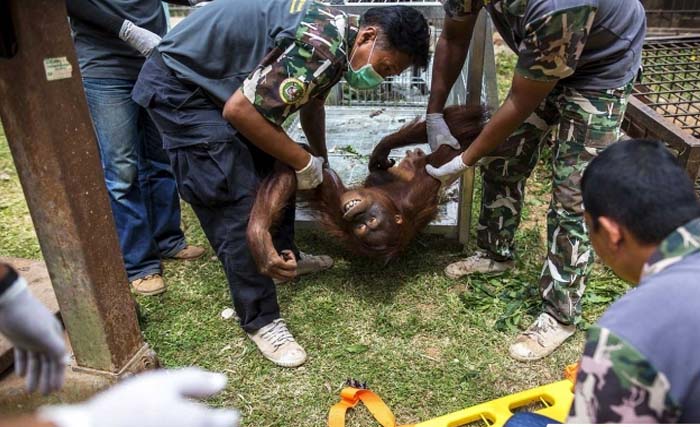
(640, 363)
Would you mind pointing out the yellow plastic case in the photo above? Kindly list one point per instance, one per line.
(555, 399)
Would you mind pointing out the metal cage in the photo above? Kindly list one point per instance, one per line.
(666, 104)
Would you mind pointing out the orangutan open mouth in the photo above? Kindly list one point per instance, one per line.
(354, 208)
(351, 204)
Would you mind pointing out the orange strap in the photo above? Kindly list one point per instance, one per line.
(350, 397)
(571, 372)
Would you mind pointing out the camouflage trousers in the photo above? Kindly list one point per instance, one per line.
(584, 122)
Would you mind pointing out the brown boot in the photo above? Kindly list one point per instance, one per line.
(477, 263)
(189, 252)
(150, 285)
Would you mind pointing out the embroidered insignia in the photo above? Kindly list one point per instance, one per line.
(292, 90)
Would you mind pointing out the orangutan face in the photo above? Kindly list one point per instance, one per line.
(374, 219)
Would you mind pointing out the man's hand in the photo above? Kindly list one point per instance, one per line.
(438, 132)
(153, 399)
(139, 38)
(449, 172)
(311, 176)
(40, 351)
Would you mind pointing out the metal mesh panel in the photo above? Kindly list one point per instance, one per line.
(671, 82)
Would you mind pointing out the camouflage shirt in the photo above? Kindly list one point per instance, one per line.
(640, 362)
(280, 52)
(590, 44)
(308, 67)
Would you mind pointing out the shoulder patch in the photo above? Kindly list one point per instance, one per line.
(292, 90)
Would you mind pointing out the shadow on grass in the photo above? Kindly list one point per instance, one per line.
(370, 279)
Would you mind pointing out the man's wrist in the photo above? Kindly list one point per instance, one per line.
(65, 415)
(467, 160)
(8, 278)
(306, 166)
(11, 285)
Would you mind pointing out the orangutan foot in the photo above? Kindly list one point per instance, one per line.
(544, 336)
(309, 264)
(278, 345)
(477, 263)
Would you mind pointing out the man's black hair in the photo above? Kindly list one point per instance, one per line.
(404, 28)
(639, 184)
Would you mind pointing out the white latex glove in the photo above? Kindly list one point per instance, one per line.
(139, 38)
(449, 172)
(154, 399)
(40, 351)
(311, 176)
(438, 132)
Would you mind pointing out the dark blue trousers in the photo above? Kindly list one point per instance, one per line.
(140, 185)
(218, 172)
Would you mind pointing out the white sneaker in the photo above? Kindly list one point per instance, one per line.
(309, 264)
(544, 336)
(278, 345)
(477, 263)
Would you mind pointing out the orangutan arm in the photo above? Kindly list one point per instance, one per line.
(411, 134)
(273, 195)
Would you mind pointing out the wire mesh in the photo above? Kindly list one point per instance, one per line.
(671, 81)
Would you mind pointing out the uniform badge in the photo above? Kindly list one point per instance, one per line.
(292, 90)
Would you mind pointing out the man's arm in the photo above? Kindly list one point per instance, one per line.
(141, 39)
(313, 121)
(450, 54)
(524, 98)
(26, 421)
(618, 384)
(263, 134)
(87, 11)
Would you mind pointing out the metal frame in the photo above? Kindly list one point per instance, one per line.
(666, 104)
(476, 85)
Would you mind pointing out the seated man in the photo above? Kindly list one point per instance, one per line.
(640, 363)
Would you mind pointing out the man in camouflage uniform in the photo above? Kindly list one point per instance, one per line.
(640, 363)
(220, 86)
(577, 60)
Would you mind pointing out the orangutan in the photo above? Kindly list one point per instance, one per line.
(377, 219)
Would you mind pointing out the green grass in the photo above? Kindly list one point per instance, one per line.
(427, 344)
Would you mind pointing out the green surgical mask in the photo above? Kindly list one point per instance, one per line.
(365, 77)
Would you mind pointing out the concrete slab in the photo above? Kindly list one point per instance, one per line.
(37, 277)
(79, 386)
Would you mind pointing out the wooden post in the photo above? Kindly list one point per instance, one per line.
(46, 120)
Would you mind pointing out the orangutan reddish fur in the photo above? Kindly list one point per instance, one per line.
(405, 190)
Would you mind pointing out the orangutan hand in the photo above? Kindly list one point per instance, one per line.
(379, 160)
(282, 266)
